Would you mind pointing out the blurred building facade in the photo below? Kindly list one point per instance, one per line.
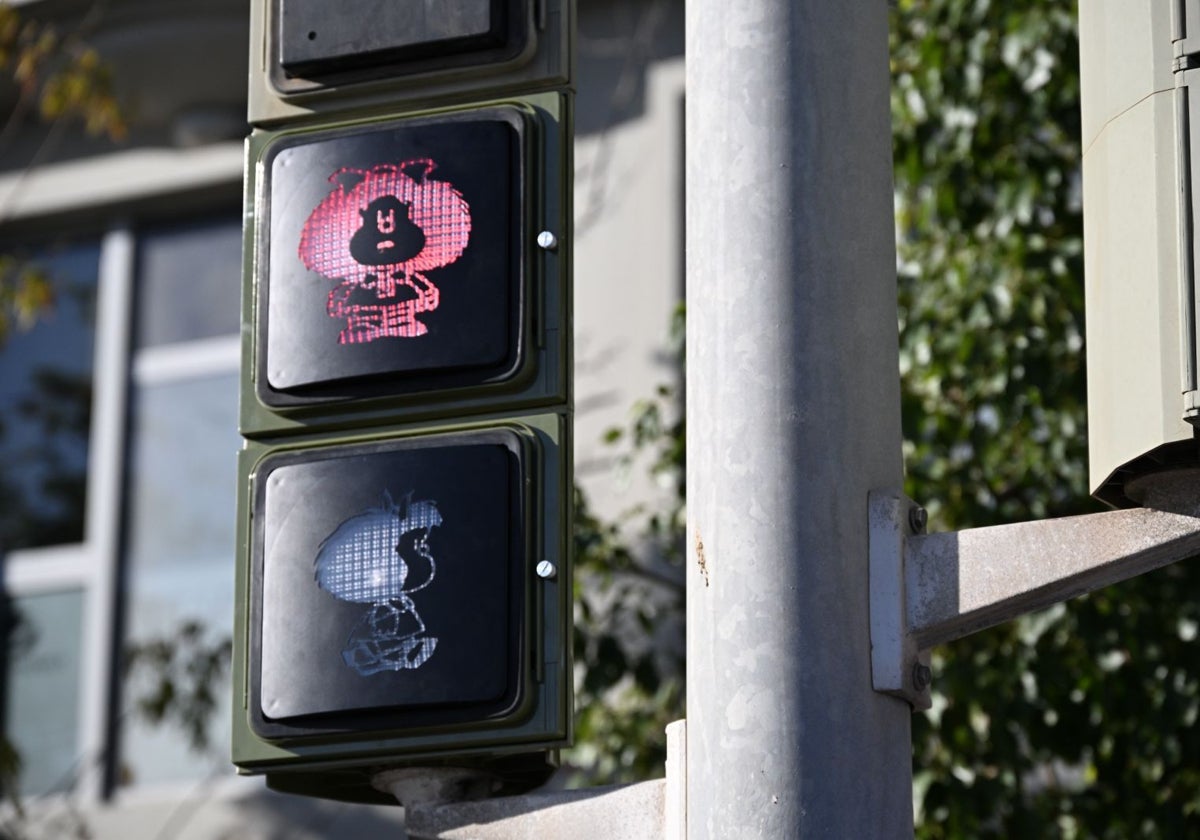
(118, 410)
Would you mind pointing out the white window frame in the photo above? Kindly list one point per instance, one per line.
(97, 186)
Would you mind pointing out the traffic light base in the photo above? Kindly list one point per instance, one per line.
(654, 810)
(415, 786)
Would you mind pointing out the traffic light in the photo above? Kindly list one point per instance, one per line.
(404, 500)
(404, 600)
(398, 266)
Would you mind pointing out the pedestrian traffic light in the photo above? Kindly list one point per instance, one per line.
(397, 266)
(404, 501)
(405, 601)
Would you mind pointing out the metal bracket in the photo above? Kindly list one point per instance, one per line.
(898, 667)
(927, 589)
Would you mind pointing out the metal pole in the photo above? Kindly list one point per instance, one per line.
(793, 417)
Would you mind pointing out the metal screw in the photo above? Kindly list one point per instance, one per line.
(547, 241)
(545, 569)
(922, 676)
(918, 519)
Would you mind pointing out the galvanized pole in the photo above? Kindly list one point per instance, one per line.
(793, 417)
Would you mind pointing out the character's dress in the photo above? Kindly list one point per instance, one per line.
(390, 637)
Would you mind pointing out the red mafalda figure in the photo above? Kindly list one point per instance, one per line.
(380, 236)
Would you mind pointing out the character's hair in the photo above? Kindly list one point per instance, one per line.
(436, 207)
(367, 557)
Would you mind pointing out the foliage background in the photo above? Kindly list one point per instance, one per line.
(62, 80)
(1079, 721)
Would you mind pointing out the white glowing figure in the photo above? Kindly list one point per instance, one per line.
(380, 557)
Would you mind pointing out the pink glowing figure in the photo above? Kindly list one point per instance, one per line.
(381, 236)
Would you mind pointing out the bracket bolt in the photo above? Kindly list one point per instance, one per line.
(918, 519)
(546, 570)
(547, 241)
(922, 676)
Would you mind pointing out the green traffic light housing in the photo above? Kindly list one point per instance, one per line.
(406, 405)
(404, 580)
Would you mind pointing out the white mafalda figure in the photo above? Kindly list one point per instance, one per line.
(380, 557)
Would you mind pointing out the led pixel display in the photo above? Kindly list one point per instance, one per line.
(389, 583)
(378, 237)
(395, 258)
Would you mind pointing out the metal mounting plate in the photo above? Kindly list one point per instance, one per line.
(898, 667)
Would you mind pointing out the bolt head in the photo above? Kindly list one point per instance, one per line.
(918, 519)
(546, 570)
(547, 241)
(922, 676)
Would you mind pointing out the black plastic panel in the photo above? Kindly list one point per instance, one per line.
(395, 259)
(359, 40)
(316, 36)
(389, 585)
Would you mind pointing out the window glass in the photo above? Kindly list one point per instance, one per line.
(42, 718)
(180, 550)
(189, 282)
(179, 505)
(45, 406)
